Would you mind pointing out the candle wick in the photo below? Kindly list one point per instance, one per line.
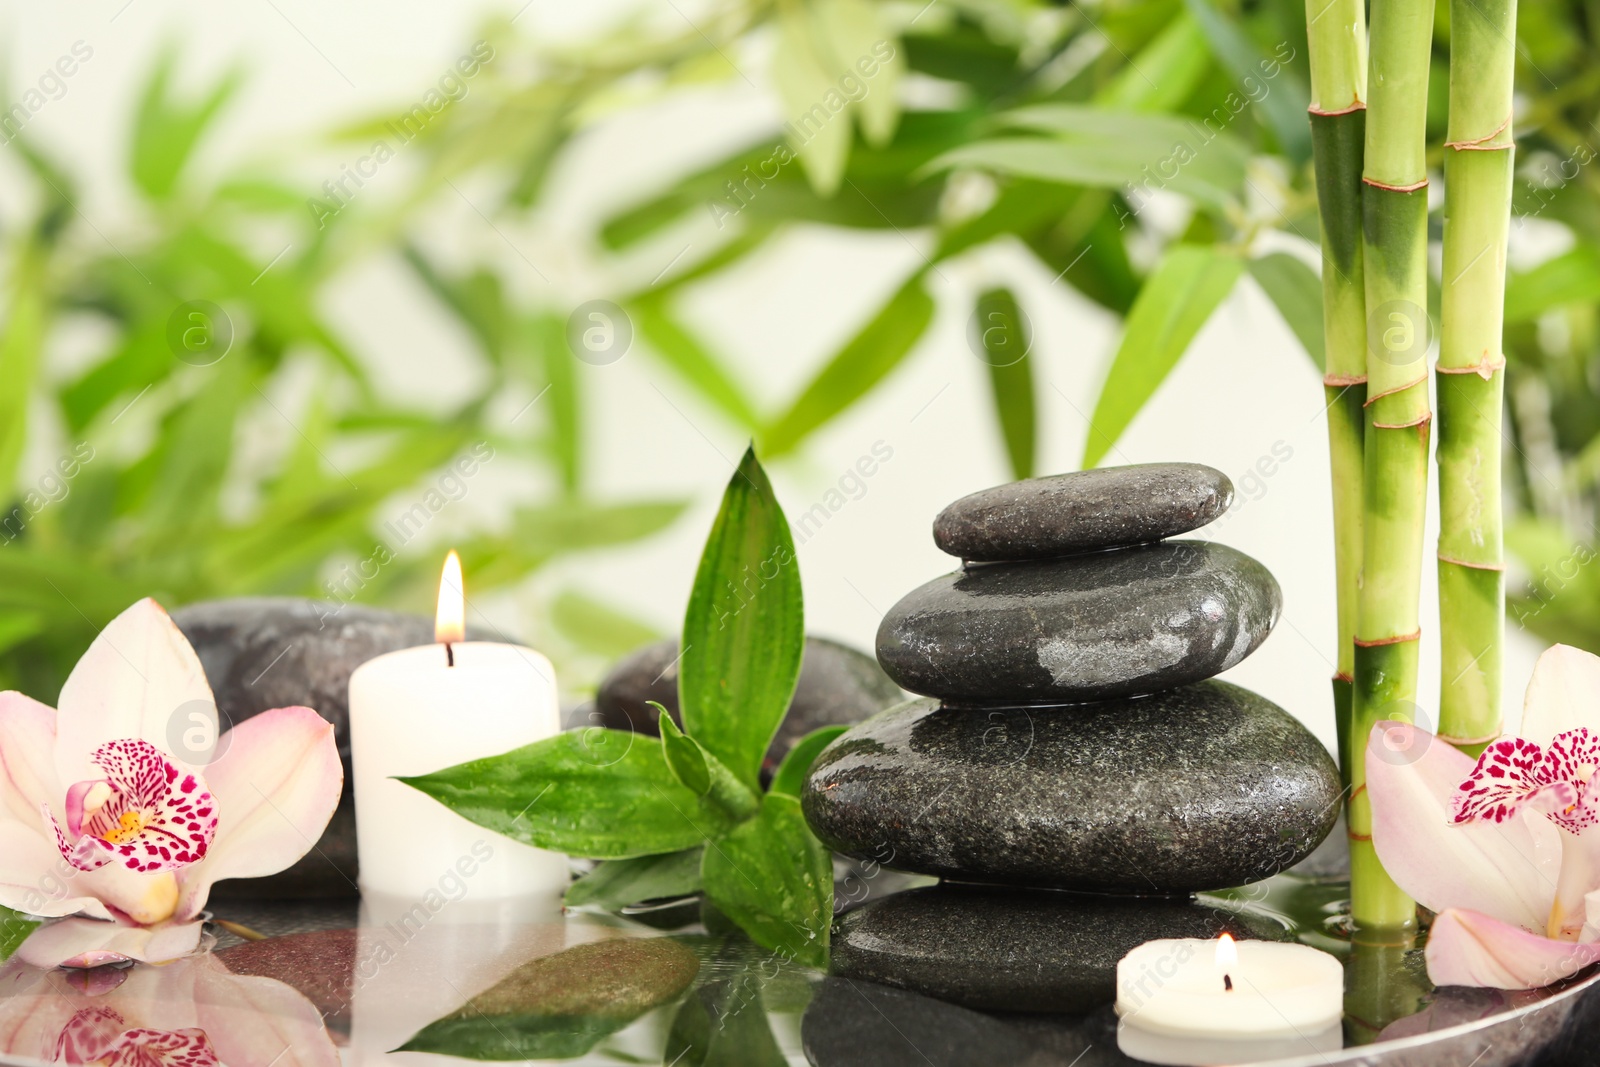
(449, 654)
(1227, 983)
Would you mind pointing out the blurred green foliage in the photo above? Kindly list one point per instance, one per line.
(967, 122)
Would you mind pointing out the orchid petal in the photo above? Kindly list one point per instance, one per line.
(1472, 949)
(35, 880)
(1507, 869)
(27, 741)
(91, 943)
(152, 814)
(140, 680)
(277, 784)
(1561, 695)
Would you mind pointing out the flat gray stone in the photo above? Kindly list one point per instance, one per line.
(838, 686)
(273, 652)
(1082, 627)
(1204, 787)
(1063, 514)
(1016, 950)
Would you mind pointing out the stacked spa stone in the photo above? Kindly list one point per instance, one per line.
(1070, 738)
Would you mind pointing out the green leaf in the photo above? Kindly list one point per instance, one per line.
(743, 633)
(1164, 74)
(165, 131)
(864, 361)
(702, 773)
(561, 1006)
(723, 1024)
(1135, 153)
(689, 357)
(797, 764)
(618, 883)
(1296, 291)
(1283, 100)
(1005, 341)
(1570, 278)
(855, 33)
(1175, 302)
(564, 403)
(477, 299)
(574, 524)
(820, 134)
(20, 349)
(598, 628)
(14, 930)
(606, 794)
(775, 879)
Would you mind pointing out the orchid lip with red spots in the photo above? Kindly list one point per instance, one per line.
(1553, 779)
(149, 813)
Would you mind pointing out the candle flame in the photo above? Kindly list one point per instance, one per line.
(450, 624)
(1227, 951)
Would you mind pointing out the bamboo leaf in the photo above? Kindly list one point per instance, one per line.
(605, 794)
(818, 123)
(775, 879)
(796, 765)
(20, 350)
(1175, 302)
(564, 401)
(681, 350)
(1004, 340)
(14, 930)
(1296, 291)
(1570, 278)
(858, 39)
(702, 773)
(618, 883)
(723, 1024)
(864, 361)
(598, 628)
(743, 633)
(165, 130)
(1283, 100)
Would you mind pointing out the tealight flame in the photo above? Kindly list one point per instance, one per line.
(450, 624)
(1227, 951)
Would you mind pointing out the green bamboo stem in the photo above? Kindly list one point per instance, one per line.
(1395, 278)
(1471, 369)
(1337, 35)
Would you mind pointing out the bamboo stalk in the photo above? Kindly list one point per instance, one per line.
(1337, 36)
(1394, 258)
(1471, 368)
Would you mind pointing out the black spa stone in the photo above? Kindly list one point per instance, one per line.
(838, 686)
(1067, 513)
(1203, 787)
(1080, 628)
(1015, 950)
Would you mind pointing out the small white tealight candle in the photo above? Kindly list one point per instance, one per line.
(423, 709)
(1227, 1001)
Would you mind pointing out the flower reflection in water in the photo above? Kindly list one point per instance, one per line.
(193, 1013)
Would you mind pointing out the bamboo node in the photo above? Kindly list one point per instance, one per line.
(1376, 184)
(1377, 642)
(1460, 741)
(1343, 677)
(1485, 368)
(1340, 381)
(1358, 105)
(1373, 398)
(1421, 420)
(1359, 837)
(1469, 563)
(1477, 144)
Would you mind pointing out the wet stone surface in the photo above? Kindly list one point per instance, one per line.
(1204, 787)
(1081, 628)
(1080, 512)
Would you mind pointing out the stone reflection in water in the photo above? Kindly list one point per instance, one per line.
(194, 1013)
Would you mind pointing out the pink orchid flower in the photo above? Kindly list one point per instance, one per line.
(100, 821)
(1504, 849)
(193, 1013)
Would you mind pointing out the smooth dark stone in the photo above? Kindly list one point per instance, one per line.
(1080, 628)
(273, 652)
(1016, 950)
(1204, 787)
(838, 686)
(1068, 513)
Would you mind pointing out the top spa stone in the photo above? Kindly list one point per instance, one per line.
(1080, 628)
(1068, 513)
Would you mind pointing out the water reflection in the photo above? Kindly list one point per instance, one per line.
(193, 1013)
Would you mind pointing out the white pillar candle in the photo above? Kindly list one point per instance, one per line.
(1186, 987)
(423, 709)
